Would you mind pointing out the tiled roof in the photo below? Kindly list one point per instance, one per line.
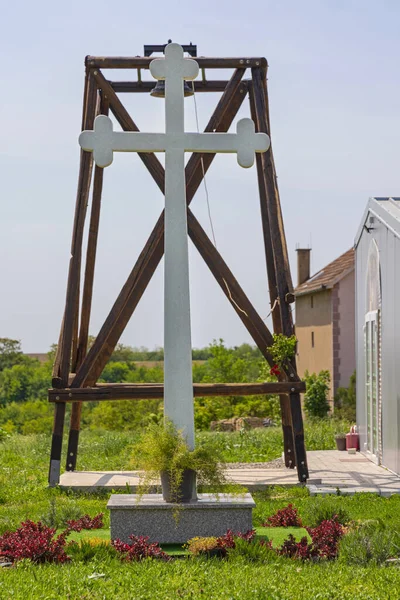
(329, 275)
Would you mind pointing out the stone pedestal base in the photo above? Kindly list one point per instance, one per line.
(151, 516)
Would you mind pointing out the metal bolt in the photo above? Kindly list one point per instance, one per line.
(291, 374)
(95, 73)
(241, 90)
(257, 63)
(71, 453)
(248, 62)
(289, 450)
(292, 389)
(57, 397)
(241, 61)
(302, 462)
(70, 395)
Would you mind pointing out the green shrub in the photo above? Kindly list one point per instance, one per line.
(254, 551)
(369, 543)
(87, 550)
(324, 509)
(345, 401)
(315, 399)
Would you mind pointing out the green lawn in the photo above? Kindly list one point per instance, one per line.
(24, 495)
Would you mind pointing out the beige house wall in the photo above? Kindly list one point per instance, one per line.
(314, 320)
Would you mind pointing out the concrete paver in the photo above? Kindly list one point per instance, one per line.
(330, 471)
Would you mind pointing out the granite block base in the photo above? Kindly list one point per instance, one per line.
(150, 515)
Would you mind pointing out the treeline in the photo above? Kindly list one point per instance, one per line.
(24, 383)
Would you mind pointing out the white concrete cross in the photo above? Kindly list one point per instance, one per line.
(103, 142)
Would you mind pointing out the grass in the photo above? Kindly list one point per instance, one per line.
(24, 494)
(195, 579)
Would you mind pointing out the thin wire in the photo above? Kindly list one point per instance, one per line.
(204, 173)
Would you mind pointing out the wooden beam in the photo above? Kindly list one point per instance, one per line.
(145, 87)
(282, 271)
(56, 444)
(71, 304)
(298, 435)
(143, 391)
(286, 417)
(277, 233)
(62, 365)
(152, 253)
(143, 62)
(76, 411)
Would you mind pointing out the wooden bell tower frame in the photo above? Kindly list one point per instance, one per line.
(76, 370)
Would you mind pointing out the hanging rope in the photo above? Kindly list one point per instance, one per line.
(203, 170)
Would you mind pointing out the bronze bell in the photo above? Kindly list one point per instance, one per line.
(159, 90)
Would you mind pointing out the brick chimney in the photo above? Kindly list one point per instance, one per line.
(303, 264)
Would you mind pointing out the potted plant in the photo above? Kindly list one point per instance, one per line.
(340, 441)
(162, 451)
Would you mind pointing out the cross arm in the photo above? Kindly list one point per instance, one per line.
(103, 141)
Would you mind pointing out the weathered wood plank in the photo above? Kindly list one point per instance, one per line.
(286, 418)
(145, 87)
(128, 391)
(298, 435)
(56, 444)
(71, 303)
(277, 233)
(143, 62)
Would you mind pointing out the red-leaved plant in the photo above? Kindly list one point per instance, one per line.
(139, 549)
(227, 541)
(324, 542)
(86, 522)
(326, 537)
(35, 542)
(285, 517)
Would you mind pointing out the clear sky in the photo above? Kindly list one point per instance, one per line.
(335, 116)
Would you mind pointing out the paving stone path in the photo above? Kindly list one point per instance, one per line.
(331, 472)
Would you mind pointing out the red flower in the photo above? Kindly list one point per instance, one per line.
(275, 371)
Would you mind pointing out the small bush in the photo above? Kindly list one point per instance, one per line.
(324, 542)
(285, 517)
(87, 550)
(253, 551)
(325, 537)
(86, 522)
(325, 509)
(229, 540)
(302, 550)
(139, 549)
(315, 399)
(369, 543)
(35, 542)
(345, 401)
(202, 545)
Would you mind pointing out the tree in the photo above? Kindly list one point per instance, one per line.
(10, 353)
(316, 397)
